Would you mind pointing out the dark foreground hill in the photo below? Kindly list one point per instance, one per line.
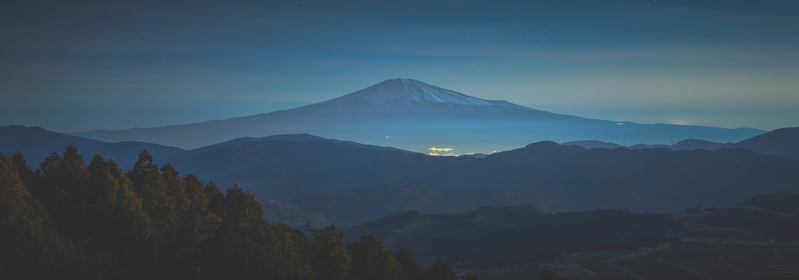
(502, 236)
(787, 203)
(755, 239)
(765, 217)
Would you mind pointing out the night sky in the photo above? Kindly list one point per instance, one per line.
(75, 66)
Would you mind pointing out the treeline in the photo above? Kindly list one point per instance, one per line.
(70, 220)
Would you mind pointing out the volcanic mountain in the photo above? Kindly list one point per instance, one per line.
(412, 99)
(413, 115)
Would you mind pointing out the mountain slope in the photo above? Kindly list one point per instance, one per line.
(412, 115)
(412, 99)
(783, 142)
(593, 144)
(37, 144)
(407, 93)
(290, 138)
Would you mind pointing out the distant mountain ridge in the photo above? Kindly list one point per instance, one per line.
(301, 169)
(592, 144)
(412, 115)
(37, 144)
(291, 138)
(783, 142)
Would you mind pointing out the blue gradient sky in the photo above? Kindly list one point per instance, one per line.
(81, 65)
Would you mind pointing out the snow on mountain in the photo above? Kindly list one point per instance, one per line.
(408, 92)
(413, 115)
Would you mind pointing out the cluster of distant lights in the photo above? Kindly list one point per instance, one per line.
(433, 151)
(440, 152)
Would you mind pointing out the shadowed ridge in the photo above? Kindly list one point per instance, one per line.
(543, 145)
(783, 142)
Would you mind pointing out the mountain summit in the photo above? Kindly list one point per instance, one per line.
(407, 98)
(415, 116)
(408, 92)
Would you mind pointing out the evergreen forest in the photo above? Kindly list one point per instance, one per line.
(72, 220)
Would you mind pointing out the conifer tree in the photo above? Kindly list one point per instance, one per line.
(151, 188)
(184, 254)
(371, 260)
(328, 254)
(410, 270)
(439, 271)
(216, 200)
(119, 218)
(470, 276)
(64, 190)
(247, 247)
(25, 234)
(176, 189)
(243, 211)
(195, 193)
(25, 172)
(179, 202)
(547, 275)
(80, 205)
(286, 244)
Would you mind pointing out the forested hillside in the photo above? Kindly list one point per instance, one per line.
(73, 220)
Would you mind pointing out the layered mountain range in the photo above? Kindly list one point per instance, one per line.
(304, 178)
(534, 202)
(413, 115)
(783, 142)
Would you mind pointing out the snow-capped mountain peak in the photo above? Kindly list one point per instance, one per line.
(408, 92)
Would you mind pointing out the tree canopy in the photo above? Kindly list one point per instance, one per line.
(94, 221)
